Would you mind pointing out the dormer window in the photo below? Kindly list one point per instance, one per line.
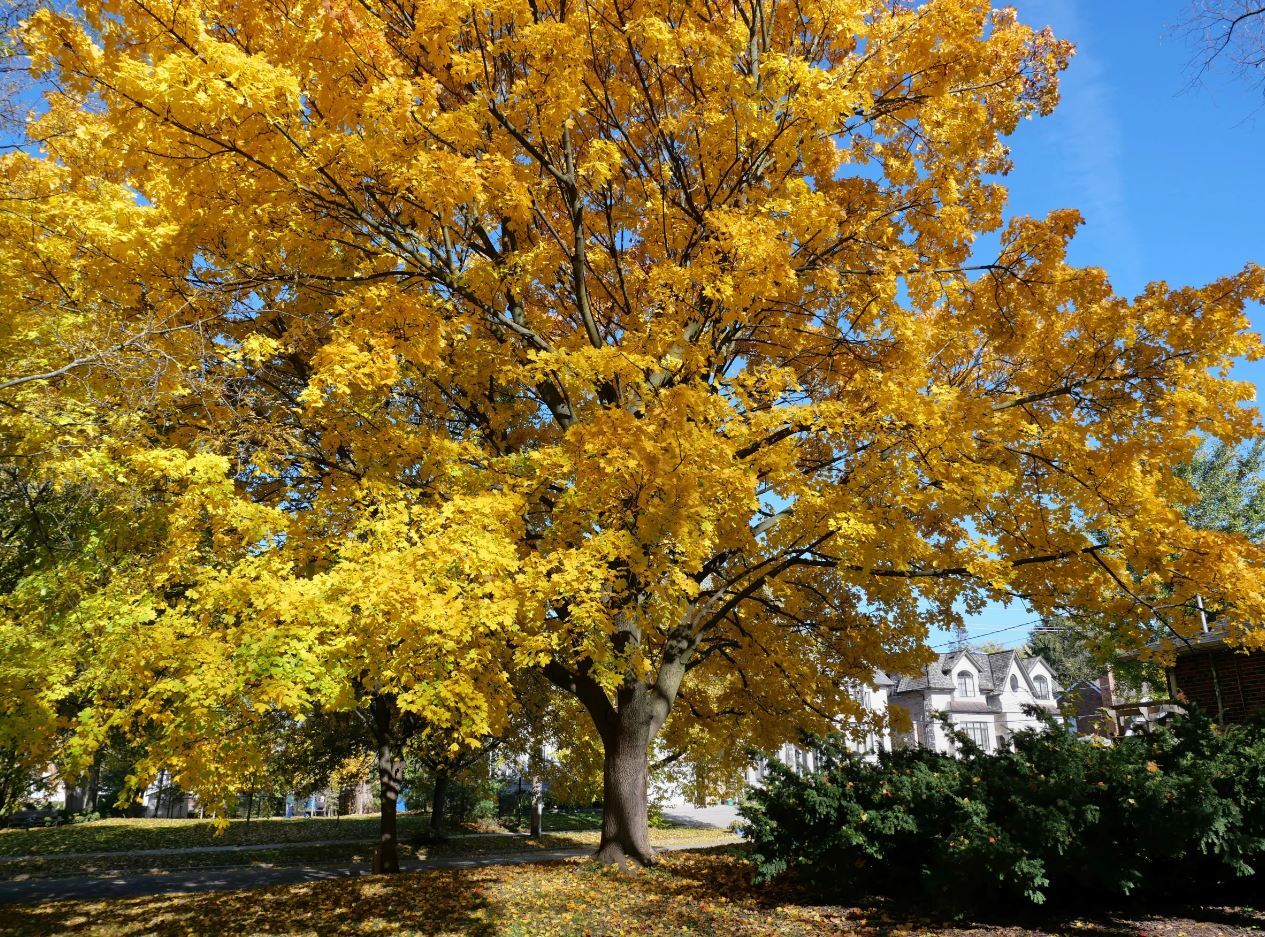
(1014, 683)
(966, 684)
(1043, 687)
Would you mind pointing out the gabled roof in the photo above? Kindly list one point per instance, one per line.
(993, 670)
(1091, 685)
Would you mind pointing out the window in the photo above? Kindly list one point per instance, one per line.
(977, 732)
(803, 762)
(1043, 687)
(966, 684)
(1014, 683)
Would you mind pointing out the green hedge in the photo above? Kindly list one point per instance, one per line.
(1058, 817)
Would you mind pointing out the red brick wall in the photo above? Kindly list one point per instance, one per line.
(1241, 678)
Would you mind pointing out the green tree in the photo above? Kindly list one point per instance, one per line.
(1230, 482)
(1067, 649)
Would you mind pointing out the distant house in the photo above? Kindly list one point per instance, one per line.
(1090, 702)
(873, 698)
(1102, 708)
(984, 695)
(1225, 682)
(162, 798)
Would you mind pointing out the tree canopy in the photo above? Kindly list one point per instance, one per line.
(624, 340)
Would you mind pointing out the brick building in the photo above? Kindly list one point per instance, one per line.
(1102, 707)
(1089, 704)
(1223, 681)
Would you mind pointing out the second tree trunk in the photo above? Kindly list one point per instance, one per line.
(389, 771)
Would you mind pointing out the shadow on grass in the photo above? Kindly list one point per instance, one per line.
(452, 901)
(707, 891)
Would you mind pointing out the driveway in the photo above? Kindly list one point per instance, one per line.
(715, 818)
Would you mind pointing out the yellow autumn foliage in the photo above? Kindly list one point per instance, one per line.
(649, 344)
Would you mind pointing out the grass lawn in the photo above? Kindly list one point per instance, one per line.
(116, 835)
(119, 835)
(706, 892)
(554, 822)
(334, 854)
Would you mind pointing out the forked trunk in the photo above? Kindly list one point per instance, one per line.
(625, 814)
(627, 725)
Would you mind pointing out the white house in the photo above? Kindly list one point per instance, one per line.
(874, 698)
(983, 695)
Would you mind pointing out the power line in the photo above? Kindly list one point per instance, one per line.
(988, 634)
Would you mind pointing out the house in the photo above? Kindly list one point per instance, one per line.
(163, 798)
(873, 698)
(1103, 708)
(984, 695)
(1226, 682)
(1089, 702)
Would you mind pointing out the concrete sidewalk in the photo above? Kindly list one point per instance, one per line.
(198, 880)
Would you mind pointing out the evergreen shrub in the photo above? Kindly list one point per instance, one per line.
(1056, 817)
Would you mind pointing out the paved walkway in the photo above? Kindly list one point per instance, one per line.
(198, 880)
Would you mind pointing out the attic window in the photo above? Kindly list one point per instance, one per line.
(966, 684)
(1014, 683)
(1043, 687)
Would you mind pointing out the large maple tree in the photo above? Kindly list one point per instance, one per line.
(690, 300)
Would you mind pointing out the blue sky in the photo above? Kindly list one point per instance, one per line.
(1168, 175)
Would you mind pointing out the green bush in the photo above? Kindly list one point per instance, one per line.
(1058, 817)
(471, 799)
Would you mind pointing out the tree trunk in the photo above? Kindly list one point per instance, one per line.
(389, 780)
(74, 797)
(625, 810)
(627, 726)
(537, 807)
(390, 770)
(158, 798)
(438, 803)
(93, 792)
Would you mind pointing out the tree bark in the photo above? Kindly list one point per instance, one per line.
(74, 797)
(537, 807)
(93, 792)
(438, 803)
(627, 726)
(625, 809)
(390, 770)
(389, 781)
